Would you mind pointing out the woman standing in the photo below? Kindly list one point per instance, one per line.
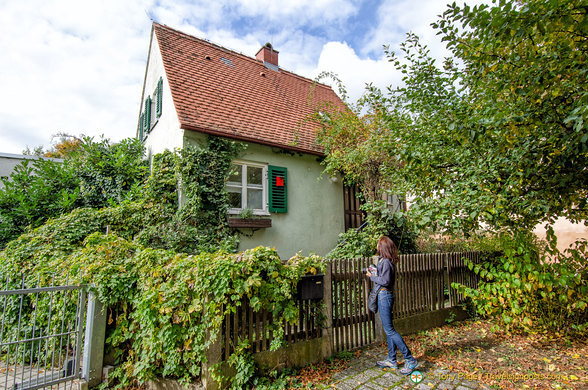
(384, 279)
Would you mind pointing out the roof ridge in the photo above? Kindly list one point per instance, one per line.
(245, 56)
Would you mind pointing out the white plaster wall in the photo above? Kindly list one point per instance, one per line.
(565, 231)
(166, 134)
(315, 205)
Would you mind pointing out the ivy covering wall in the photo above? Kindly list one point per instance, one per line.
(164, 265)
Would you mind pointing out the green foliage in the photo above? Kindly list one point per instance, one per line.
(200, 222)
(38, 189)
(96, 175)
(530, 291)
(107, 172)
(164, 308)
(362, 243)
(493, 133)
(150, 213)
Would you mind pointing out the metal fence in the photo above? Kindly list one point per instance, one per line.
(43, 333)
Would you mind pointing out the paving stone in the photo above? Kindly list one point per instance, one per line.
(347, 385)
(364, 374)
(389, 379)
(363, 377)
(444, 385)
(374, 373)
(430, 383)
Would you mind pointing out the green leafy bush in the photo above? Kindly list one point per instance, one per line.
(96, 175)
(379, 222)
(530, 291)
(164, 308)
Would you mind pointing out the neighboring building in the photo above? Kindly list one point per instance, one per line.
(194, 88)
(566, 232)
(9, 161)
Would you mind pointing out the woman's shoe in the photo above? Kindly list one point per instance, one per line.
(409, 367)
(388, 364)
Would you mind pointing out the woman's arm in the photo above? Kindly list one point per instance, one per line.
(385, 274)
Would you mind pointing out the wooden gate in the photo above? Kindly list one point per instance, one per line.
(353, 323)
(353, 215)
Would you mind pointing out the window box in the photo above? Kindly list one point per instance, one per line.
(254, 223)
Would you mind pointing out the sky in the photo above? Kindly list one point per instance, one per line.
(77, 66)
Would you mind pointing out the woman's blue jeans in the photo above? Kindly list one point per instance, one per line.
(395, 341)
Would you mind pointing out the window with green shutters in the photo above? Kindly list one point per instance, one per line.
(151, 111)
(278, 189)
(247, 187)
(147, 116)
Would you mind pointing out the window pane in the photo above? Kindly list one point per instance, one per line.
(254, 175)
(254, 199)
(234, 197)
(235, 176)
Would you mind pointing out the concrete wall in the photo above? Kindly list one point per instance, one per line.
(315, 205)
(166, 134)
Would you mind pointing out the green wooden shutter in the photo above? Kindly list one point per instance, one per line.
(278, 189)
(148, 114)
(159, 96)
(141, 120)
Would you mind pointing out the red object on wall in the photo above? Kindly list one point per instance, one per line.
(279, 181)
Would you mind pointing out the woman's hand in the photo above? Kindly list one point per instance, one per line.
(368, 274)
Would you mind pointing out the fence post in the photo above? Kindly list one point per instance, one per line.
(94, 341)
(214, 355)
(327, 331)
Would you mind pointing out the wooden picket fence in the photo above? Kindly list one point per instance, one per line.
(353, 323)
(246, 324)
(423, 284)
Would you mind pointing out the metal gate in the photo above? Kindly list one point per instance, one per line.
(46, 336)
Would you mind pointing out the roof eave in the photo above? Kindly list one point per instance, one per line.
(250, 139)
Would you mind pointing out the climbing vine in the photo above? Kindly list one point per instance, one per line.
(164, 266)
(187, 188)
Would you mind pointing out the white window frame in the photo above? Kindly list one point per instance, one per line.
(264, 184)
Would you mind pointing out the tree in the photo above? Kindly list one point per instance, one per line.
(97, 174)
(66, 145)
(497, 135)
(358, 146)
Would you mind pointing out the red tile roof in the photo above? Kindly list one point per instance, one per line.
(243, 100)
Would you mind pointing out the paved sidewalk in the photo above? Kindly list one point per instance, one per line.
(364, 374)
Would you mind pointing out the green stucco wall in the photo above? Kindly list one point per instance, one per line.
(315, 205)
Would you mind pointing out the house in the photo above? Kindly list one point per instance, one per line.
(9, 161)
(194, 88)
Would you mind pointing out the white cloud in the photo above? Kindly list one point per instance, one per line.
(71, 66)
(397, 17)
(78, 65)
(353, 71)
(304, 11)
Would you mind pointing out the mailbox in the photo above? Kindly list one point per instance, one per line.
(311, 287)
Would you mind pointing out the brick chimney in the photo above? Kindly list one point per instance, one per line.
(268, 54)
